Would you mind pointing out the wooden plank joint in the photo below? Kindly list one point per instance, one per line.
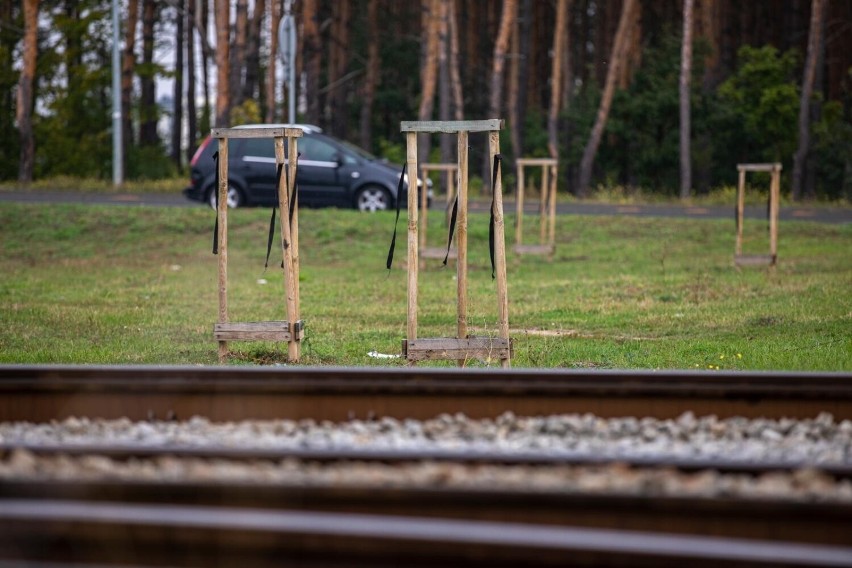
(259, 331)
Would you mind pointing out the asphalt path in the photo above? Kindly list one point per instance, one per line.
(820, 214)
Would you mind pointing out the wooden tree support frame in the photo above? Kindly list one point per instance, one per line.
(224, 330)
(462, 347)
(547, 206)
(774, 170)
(451, 171)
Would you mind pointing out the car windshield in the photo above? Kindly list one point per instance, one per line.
(360, 152)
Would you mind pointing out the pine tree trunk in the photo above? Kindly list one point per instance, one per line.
(313, 53)
(428, 72)
(177, 116)
(223, 47)
(338, 63)
(498, 65)
(191, 110)
(800, 157)
(24, 110)
(253, 50)
(685, 126)
(615, 60)
(238, 54)
(455, 78)
(274, 22)
(371, 80)
(206, 54)
(444, 90)
(149, 113)
(560, 45)
(513, 111)
(128, 64)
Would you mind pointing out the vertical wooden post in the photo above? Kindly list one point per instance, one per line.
(499, 247)
(552, 232)
(545, 190)
(738, 248)
(295, 346)
(774, 197)
(411, 168)
(424, 207)
(222, 236)
(519, 206)
(451, 193)
(461, 238)
(287, 253)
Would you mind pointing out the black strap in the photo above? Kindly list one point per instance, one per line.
(396, 222)
(272, 219)
(494, 173)
(452, 227)
(295, 196)
(216, 193)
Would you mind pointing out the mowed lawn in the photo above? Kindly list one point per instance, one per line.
(138, 285)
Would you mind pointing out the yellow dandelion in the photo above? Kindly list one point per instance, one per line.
(739, 355)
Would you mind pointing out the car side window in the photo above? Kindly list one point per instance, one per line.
(258, 147)
(317, 150)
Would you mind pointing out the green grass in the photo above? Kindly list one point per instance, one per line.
(99, 284)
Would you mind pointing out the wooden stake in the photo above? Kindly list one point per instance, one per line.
(295, 346)
(424, 209)
(222, 236)
(552, 234)
(500, 248)
(774, 191)
(738, 248)
(519, 206)
(545, 189)
(451, 193)
(287, 254)
(461, 239)
(411, 168)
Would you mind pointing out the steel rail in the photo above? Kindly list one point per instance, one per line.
(43, 393)
(183, 535)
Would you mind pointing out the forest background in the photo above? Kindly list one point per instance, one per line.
(662, 96)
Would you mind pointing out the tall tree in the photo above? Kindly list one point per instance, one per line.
(148, 111)
(191, 110)
(372, 78)
(431, 26)
(24, 109)
(127, 69)
(685, 115)
(238, 53)
(455, 77)
(203, 26)
(338, 62)
(177, 116)
(313, 55)
(223, 47)
(560, 48)
(252, 73)
(616, 57)
(274, 21)
(498, 65)
(801, 155)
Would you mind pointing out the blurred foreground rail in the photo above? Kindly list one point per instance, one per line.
(44, 393)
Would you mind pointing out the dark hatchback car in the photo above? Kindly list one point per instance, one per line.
(330, 173)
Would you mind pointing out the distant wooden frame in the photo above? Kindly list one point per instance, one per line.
(451, 171)
(292, 330)
(462, 347)
(774, 170)
(547, 206)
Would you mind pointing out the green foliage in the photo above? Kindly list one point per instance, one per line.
(149, 163)
(246, 113)
(831, 152)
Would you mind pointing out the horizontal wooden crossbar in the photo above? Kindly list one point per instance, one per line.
(257, 132)
(439, 167)
(257, 331)
(754, 259)
(759, 167)
(533, 249)
(483, 348)
(537, 162)
(451, 125)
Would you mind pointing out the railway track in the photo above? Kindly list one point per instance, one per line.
(44, 393)
(239, 522)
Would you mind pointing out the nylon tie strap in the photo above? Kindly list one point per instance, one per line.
(498, 158)
(452, 227)
(389, 262)
(272, 219)
(216, 193)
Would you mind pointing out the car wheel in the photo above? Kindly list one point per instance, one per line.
(235, 197)
(373, 198)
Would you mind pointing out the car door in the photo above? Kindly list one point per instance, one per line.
(257, 166)
(319, 182)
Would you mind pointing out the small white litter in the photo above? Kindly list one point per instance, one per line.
(261, 281)
(377, 355)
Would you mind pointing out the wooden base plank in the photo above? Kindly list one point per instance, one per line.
(441, 348)
(258, 331)
(533, 249)
(754, 260)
